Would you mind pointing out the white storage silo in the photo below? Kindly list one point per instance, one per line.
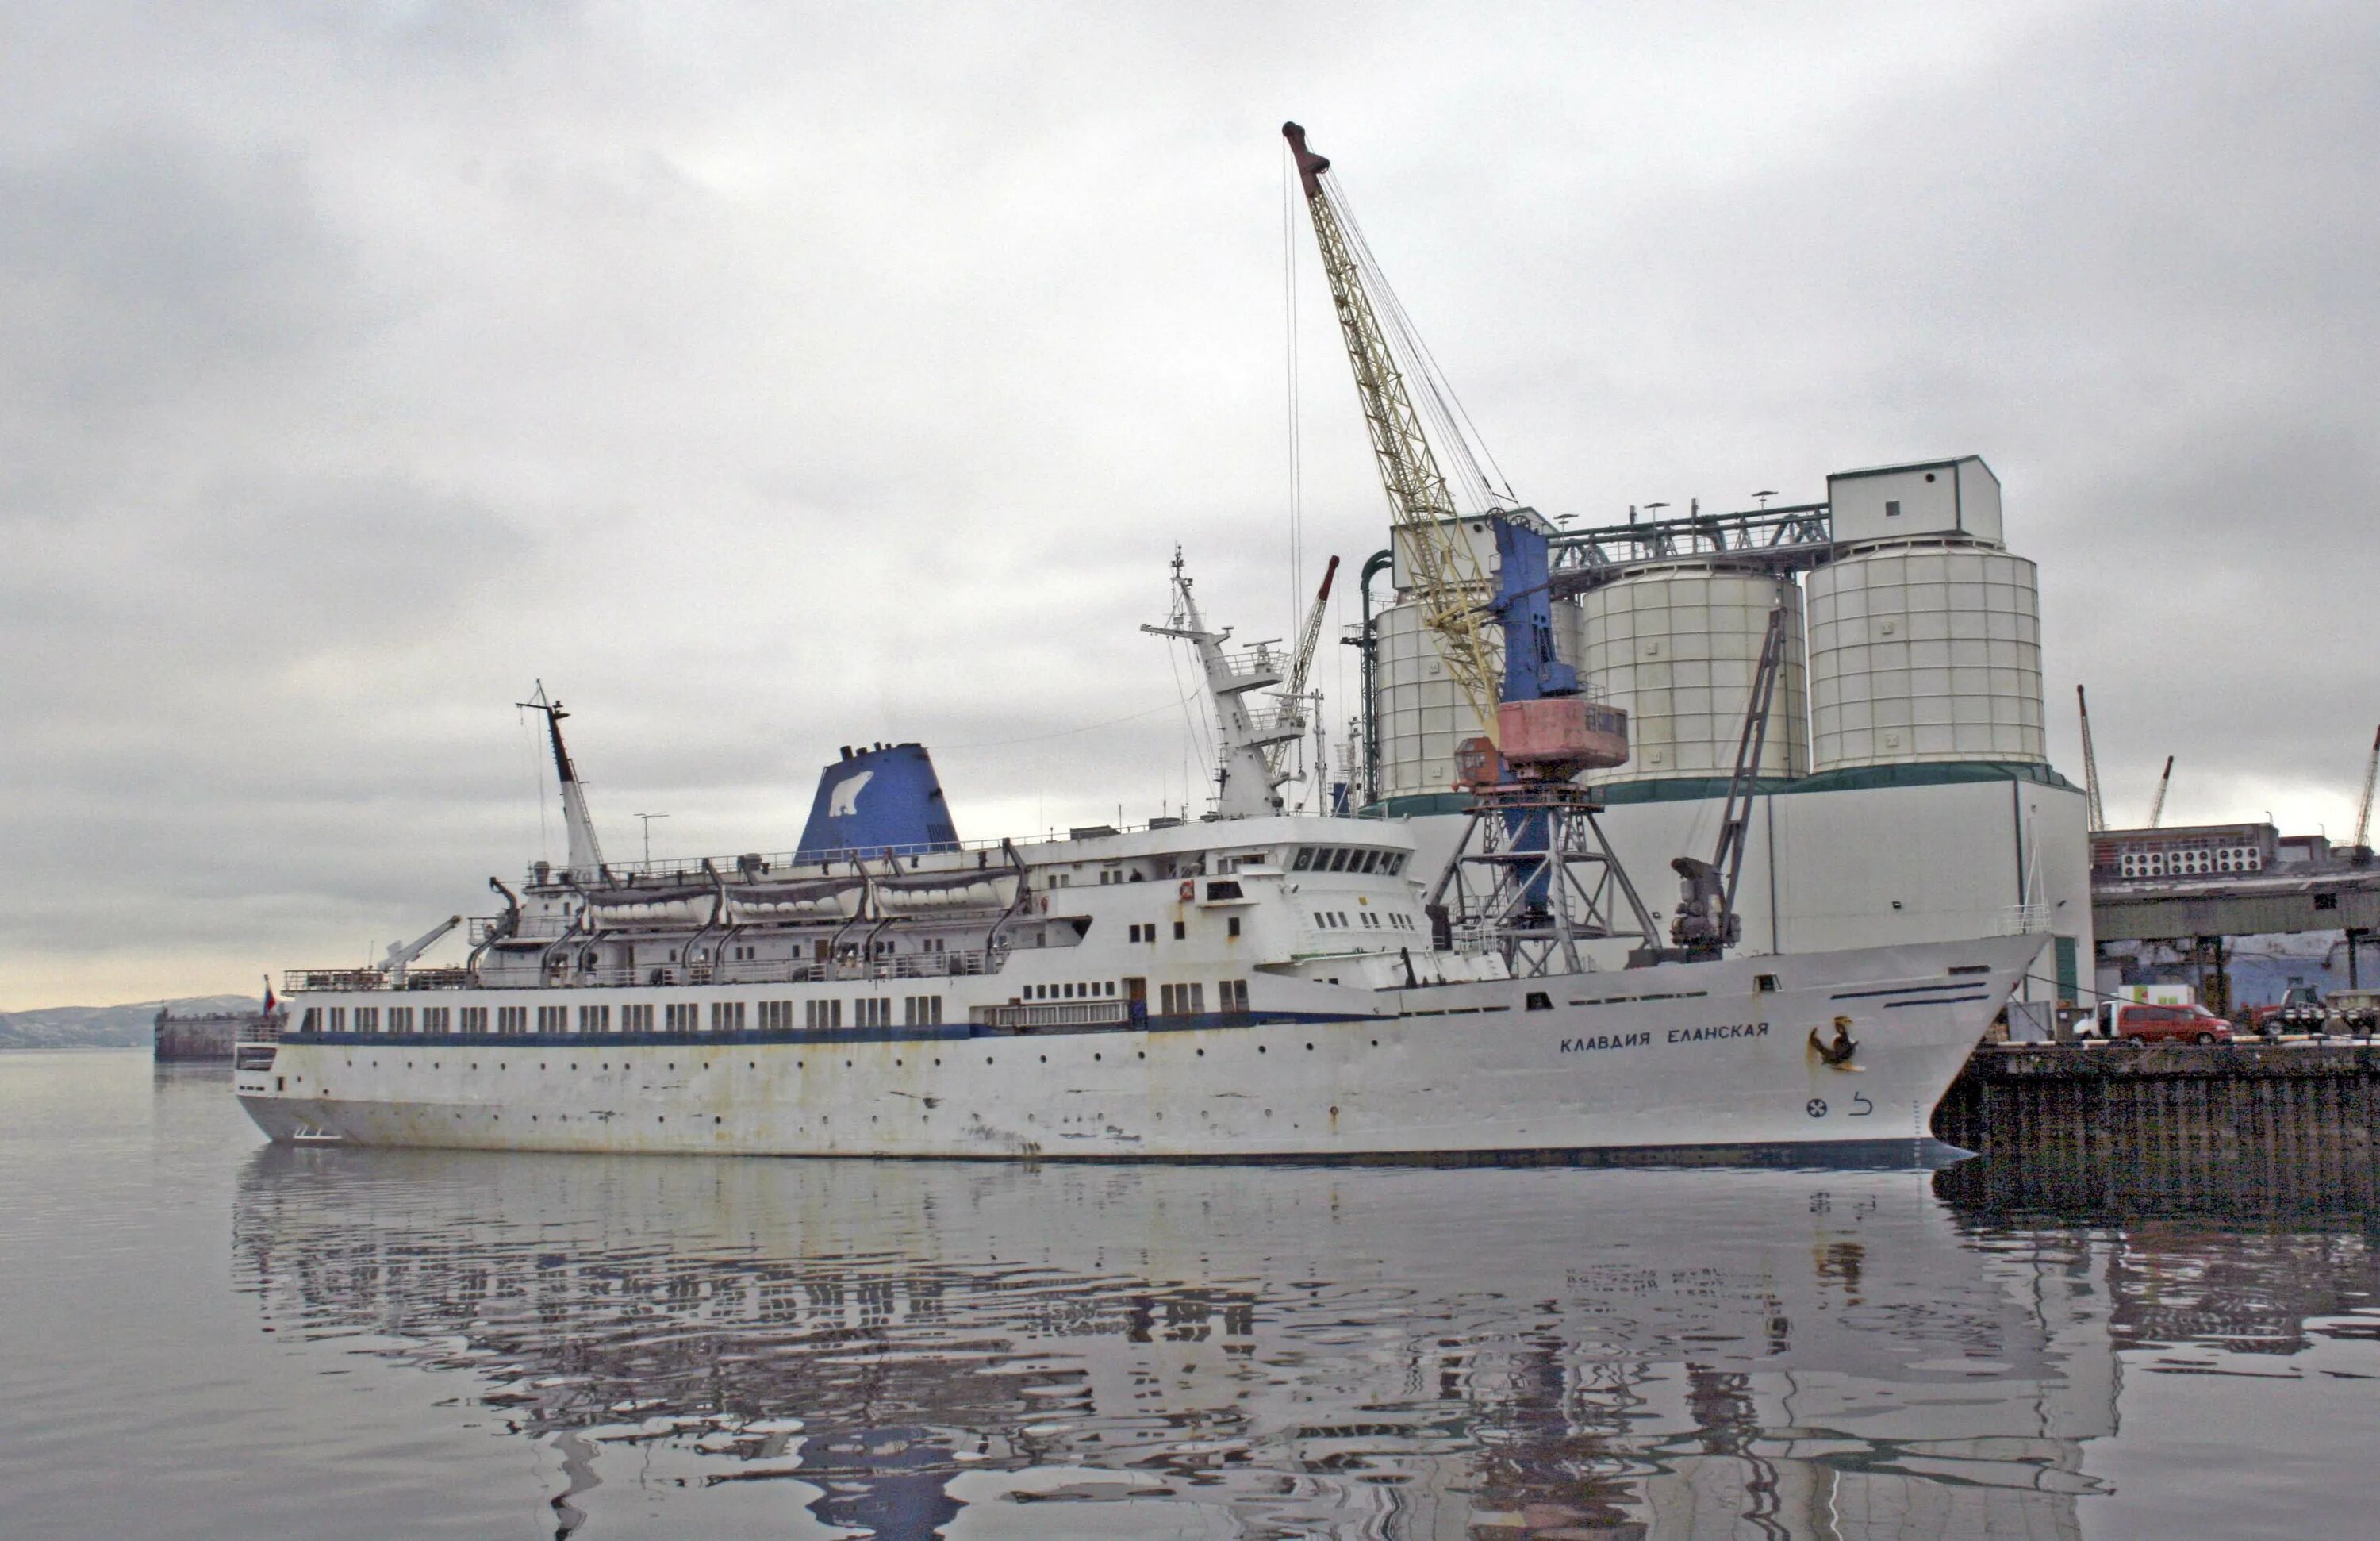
(1925, 649)
(1419, 712)
(1676, 645)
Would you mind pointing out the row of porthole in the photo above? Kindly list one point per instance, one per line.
(799, 1064)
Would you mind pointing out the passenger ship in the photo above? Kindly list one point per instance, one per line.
(1255, 984)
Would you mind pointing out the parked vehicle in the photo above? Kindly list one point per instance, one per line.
(2140, 1026)
(2355, 1011)
(2299, 1011)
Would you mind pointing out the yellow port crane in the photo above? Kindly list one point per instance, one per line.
(1448, 581)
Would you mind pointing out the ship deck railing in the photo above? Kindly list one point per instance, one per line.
(748, 970)
(756, 865)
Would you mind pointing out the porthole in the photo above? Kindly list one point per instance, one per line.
(1095, 1054)
(1202, 1053)
(1045, 1059)
(1260, 1049)
(1309, 1048)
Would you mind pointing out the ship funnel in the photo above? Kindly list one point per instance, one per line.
(872, 800)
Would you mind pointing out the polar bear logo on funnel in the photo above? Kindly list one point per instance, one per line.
(845, 800)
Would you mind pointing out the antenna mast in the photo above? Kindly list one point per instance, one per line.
(585, 854)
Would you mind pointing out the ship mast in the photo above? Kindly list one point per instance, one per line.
(585, 854)
(1246, 785)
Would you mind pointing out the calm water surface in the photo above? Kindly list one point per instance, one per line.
(202, 1336)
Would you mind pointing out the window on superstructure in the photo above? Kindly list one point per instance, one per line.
(1231, 995)
(311, 1020)
(1303, 860)
(1231, 926)
(1181, 931)
(367, 1019)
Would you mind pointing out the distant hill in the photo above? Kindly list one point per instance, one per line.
(127, 1027)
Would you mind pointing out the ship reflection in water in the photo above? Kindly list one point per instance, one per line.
(836, 1348)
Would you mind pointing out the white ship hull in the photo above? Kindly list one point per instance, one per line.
(1682, 1057)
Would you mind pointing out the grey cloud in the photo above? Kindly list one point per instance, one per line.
(771, 377)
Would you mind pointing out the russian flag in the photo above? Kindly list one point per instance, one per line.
(270, 1004)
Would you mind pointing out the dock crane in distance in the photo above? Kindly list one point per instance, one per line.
(1301, 667)
(2094, 815)
(2362, 846)
(2156, 804)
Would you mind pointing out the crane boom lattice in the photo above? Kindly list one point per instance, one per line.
(2363, 811)
(1448, 581)
(2093, 815)
(1293, 696)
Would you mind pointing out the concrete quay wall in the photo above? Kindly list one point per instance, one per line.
(2294, 1126)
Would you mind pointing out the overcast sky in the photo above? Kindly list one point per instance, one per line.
(771, 377)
